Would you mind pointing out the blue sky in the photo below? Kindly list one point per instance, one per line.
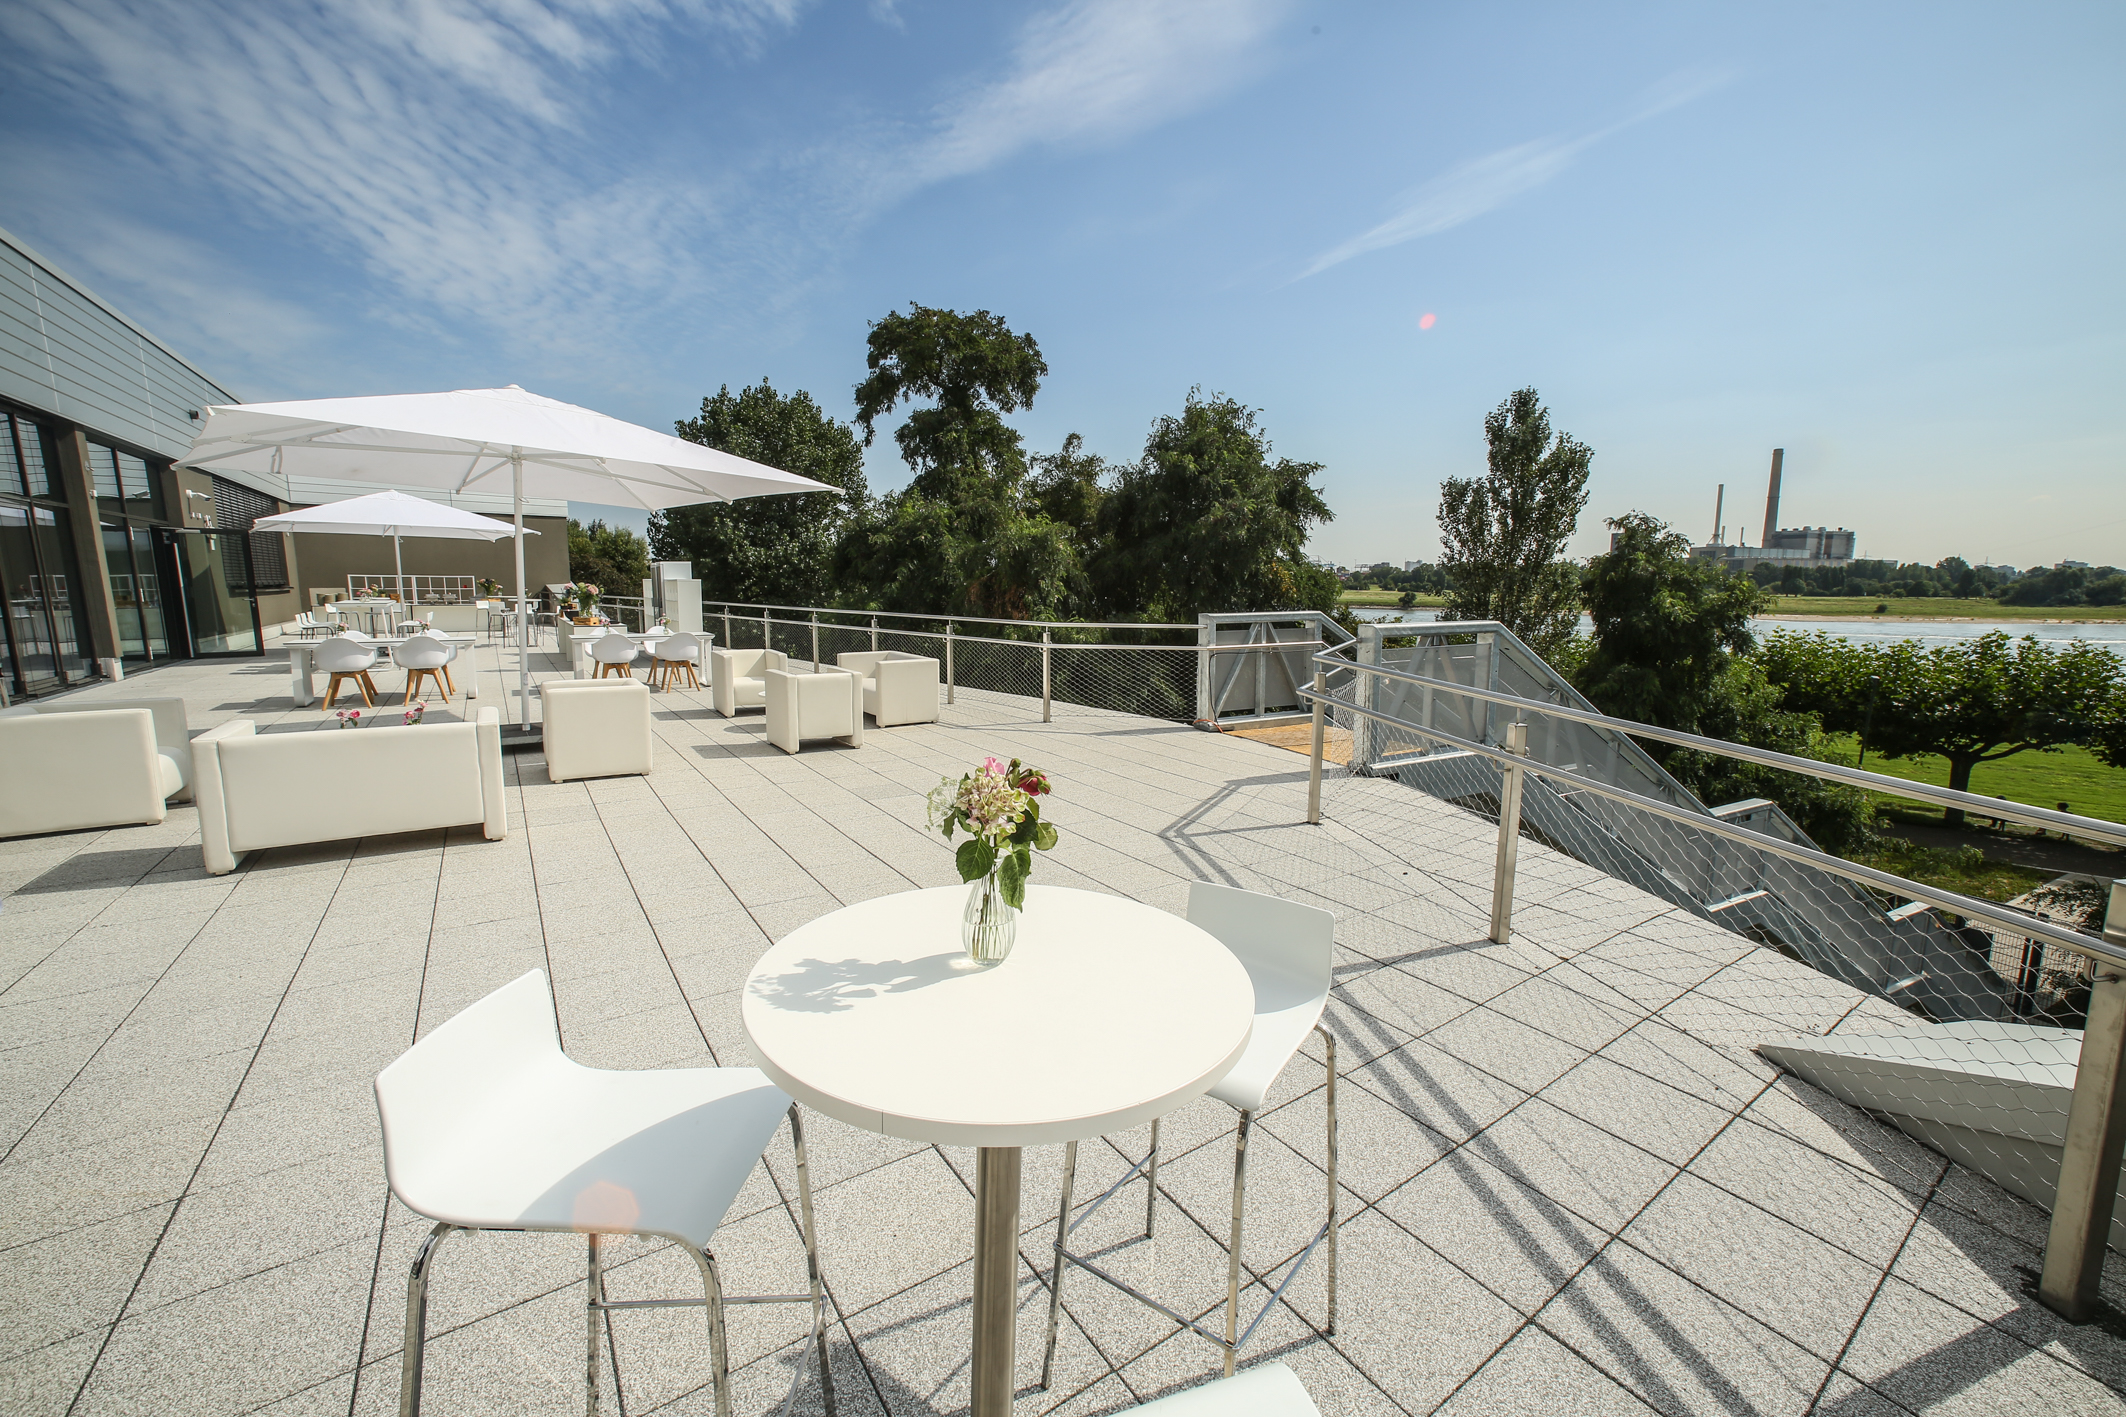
(1883, 237)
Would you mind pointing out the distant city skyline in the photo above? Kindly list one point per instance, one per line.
(1880, 237)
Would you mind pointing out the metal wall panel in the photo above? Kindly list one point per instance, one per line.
(66, 352)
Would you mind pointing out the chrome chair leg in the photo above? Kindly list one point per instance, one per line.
(719, 1350)
(1232, 1262)
(595, 1283)
(1151, 1181)
(1055, 1277)
(417, 1322)
(812, 1267)
(1330, 1039)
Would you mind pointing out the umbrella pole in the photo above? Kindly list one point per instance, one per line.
(516, 477)
(398, 573)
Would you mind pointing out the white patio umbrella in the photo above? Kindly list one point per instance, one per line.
(464, 441)
(392, 514)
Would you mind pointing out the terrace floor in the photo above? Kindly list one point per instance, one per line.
(1570, 1185)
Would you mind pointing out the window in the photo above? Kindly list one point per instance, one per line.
(103, 471)
(22, 461)
(235, 508)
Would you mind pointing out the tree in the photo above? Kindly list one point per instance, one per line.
(1206, 521)
(1971, 702)
(1502, 535)
(768, 550)
(1665, 626)
(959, 537)
(1670, 646)
(610, 557)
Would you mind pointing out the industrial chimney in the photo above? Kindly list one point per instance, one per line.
(1719, 504)
(1771, 498)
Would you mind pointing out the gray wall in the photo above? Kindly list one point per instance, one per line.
(66, 352)
(327, 560)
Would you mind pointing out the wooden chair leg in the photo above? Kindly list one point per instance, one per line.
(369, 690)
(331, 690)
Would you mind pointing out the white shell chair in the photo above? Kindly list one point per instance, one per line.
(614, 653)
(424, 656)
(344, 658)
(1289, 952)
(676, 654)
(488, 1125)
(1271, 1390)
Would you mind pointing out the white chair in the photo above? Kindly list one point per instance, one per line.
(424, 657)
(614, 653)
(1272, 1390)
(293, 789)
(77, 763)
(829, 704)
(735, 680)
(898, 687)
(673, 655)
(306, 625)
(1289, 952)
(488, 1125)
(593, 729)
(345, 659)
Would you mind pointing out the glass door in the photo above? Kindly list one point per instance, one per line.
(35, 658)
(221, 620)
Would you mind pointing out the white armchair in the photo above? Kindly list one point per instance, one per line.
(829, 704)
(735, 680)
(898, 687)
(287, 789)
(79, 763)
(595, 727)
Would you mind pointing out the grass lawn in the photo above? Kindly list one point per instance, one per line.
(1386, 597)
(1967, 872)
(1931, 608)
(2072, 775)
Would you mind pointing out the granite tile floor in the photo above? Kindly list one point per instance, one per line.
(1568, 1185)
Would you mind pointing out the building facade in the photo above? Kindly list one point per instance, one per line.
(109, 557)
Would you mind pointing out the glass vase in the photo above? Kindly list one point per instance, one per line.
(989, 926)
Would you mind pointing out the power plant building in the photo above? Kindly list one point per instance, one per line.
(1805, 546)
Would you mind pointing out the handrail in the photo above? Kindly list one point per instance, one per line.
(2031, 927)
(955, 619)
(2087, 827)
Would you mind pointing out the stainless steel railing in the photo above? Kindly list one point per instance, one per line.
(2096, 1124)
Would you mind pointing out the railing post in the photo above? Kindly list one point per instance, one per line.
(1321, 687)
(1044, 677)
(1206, 636)
(874, 633)
(2096, 1128)
(727, 626)
(1509, 837)
(1363, 729)
(767, 637)
(948, 656)
(815, 643)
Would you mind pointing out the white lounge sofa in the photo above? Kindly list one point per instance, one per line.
(77, 763)
(287, 789)
(734, 678)
(898, 687)
(595, 727)
(829, 704)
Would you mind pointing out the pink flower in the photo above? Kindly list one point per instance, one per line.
(991, 765)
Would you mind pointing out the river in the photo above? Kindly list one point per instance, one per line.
(2110, 634)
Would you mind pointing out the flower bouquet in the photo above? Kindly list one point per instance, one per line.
(998, 805)
(350, 718)
(414, 711)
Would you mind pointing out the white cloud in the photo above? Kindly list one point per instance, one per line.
(1096, 70)
(1487, 183)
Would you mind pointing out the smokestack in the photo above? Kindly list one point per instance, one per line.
(1719, 504)
(1771, 497)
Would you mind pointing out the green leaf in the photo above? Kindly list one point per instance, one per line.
(974, 858)
(1044, 838)
(1012, 877)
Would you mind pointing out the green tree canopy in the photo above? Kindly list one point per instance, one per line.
(1502, 535)
(1207, 521)
(1670, 646)
(1665, 626)
(960, 537)
(1971, 702)
(610, 557)
(771, 550)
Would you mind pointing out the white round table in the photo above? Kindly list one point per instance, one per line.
(1107, 1014)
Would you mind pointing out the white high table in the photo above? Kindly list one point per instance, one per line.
(1107, 1014)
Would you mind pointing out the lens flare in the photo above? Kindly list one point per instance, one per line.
(1427, 320)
